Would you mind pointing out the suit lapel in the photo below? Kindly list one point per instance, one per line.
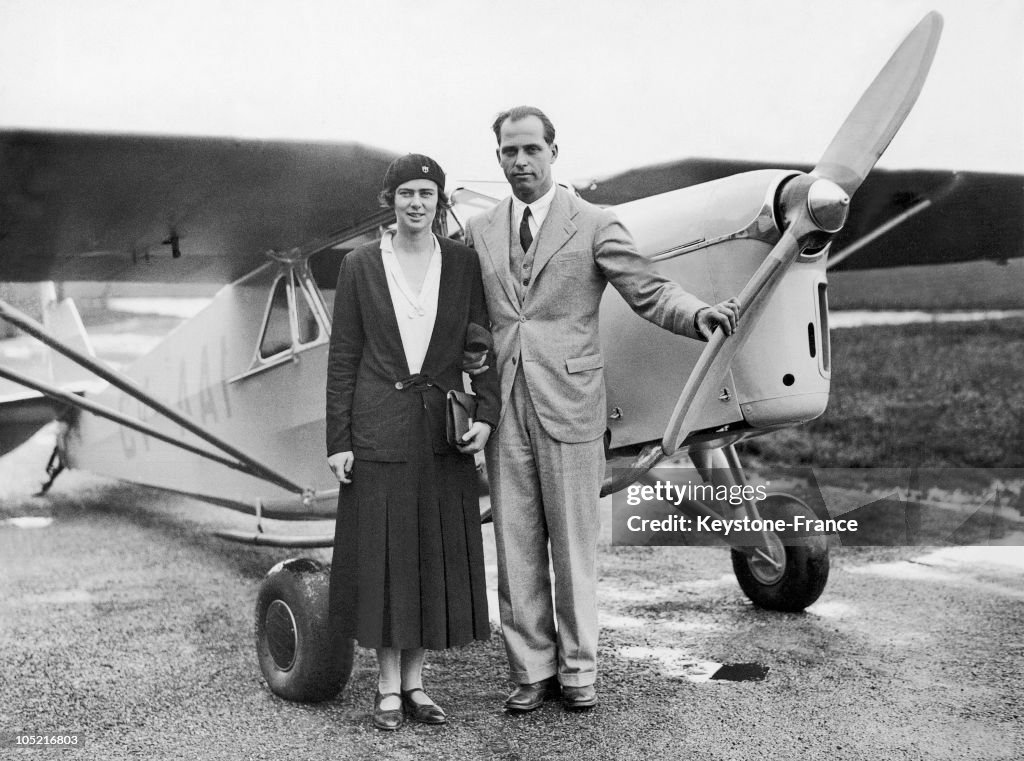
(496, 237)
(556, 231)
(446, 311)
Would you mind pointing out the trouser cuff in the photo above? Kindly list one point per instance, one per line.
(533, 675)
(580, 679)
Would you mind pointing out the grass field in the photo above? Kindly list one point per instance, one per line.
(928, 395)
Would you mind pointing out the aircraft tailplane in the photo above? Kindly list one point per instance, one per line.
(61, 319)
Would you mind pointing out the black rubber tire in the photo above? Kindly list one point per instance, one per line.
(806, 572)
(300, 657)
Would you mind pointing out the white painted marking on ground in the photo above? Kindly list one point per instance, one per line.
(615, 621)
(902, 569)
(673, 663)
(700, 671)
(726, 579)
(953, 566)
(1008, 552)
(833, 609)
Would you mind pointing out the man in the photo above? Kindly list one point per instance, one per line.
(546, 257)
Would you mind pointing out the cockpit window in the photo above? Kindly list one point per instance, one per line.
(277, 333)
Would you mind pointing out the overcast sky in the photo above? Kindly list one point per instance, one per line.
(626, 83)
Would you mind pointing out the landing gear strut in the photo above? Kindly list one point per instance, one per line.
(784, 573)
(786, 577)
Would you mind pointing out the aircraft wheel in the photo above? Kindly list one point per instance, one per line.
(299, 657)
(792, 576)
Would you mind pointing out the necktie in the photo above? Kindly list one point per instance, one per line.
(525, 236)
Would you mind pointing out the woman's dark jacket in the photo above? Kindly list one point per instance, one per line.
(369, 402)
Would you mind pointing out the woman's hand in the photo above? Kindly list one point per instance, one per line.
(341, 464)
(475, 438)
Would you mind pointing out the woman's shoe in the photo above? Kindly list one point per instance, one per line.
(391, 719)
(424, 713)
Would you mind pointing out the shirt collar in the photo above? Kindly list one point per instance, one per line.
(539, 208)
(387, 243)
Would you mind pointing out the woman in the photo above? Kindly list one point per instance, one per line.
(408, 557)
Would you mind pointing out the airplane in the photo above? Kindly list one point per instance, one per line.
(229, 407)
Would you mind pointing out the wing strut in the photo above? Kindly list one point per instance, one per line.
(245, 463)
(74, 400)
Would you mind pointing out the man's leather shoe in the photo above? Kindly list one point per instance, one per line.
(391, 719)
(579, 698)
(527, 697)
(424, 713)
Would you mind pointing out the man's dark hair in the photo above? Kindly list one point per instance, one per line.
(521, 112)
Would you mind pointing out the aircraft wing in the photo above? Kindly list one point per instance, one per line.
(133, 208)
(897, 218)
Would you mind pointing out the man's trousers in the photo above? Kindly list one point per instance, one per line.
(545, 492)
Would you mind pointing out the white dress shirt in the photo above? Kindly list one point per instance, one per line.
(538, 210)
(415, 312)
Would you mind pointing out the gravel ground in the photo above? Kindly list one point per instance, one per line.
(124, 621)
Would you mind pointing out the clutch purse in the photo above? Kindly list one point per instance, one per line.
(460, 409)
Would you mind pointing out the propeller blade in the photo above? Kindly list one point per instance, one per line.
(880, 112)
(714, 361)
(852, 153)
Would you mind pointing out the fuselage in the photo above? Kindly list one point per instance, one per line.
(251, 367)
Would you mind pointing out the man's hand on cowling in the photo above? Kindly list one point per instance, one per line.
(724, 315)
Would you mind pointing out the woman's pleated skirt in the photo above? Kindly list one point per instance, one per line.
(408, 568)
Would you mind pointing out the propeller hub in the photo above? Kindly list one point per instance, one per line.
(828, 205)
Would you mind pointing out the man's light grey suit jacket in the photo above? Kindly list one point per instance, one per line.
(580, 248)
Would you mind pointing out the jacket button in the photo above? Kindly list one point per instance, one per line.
(399, 385)
(522, 319)
(513, 360)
